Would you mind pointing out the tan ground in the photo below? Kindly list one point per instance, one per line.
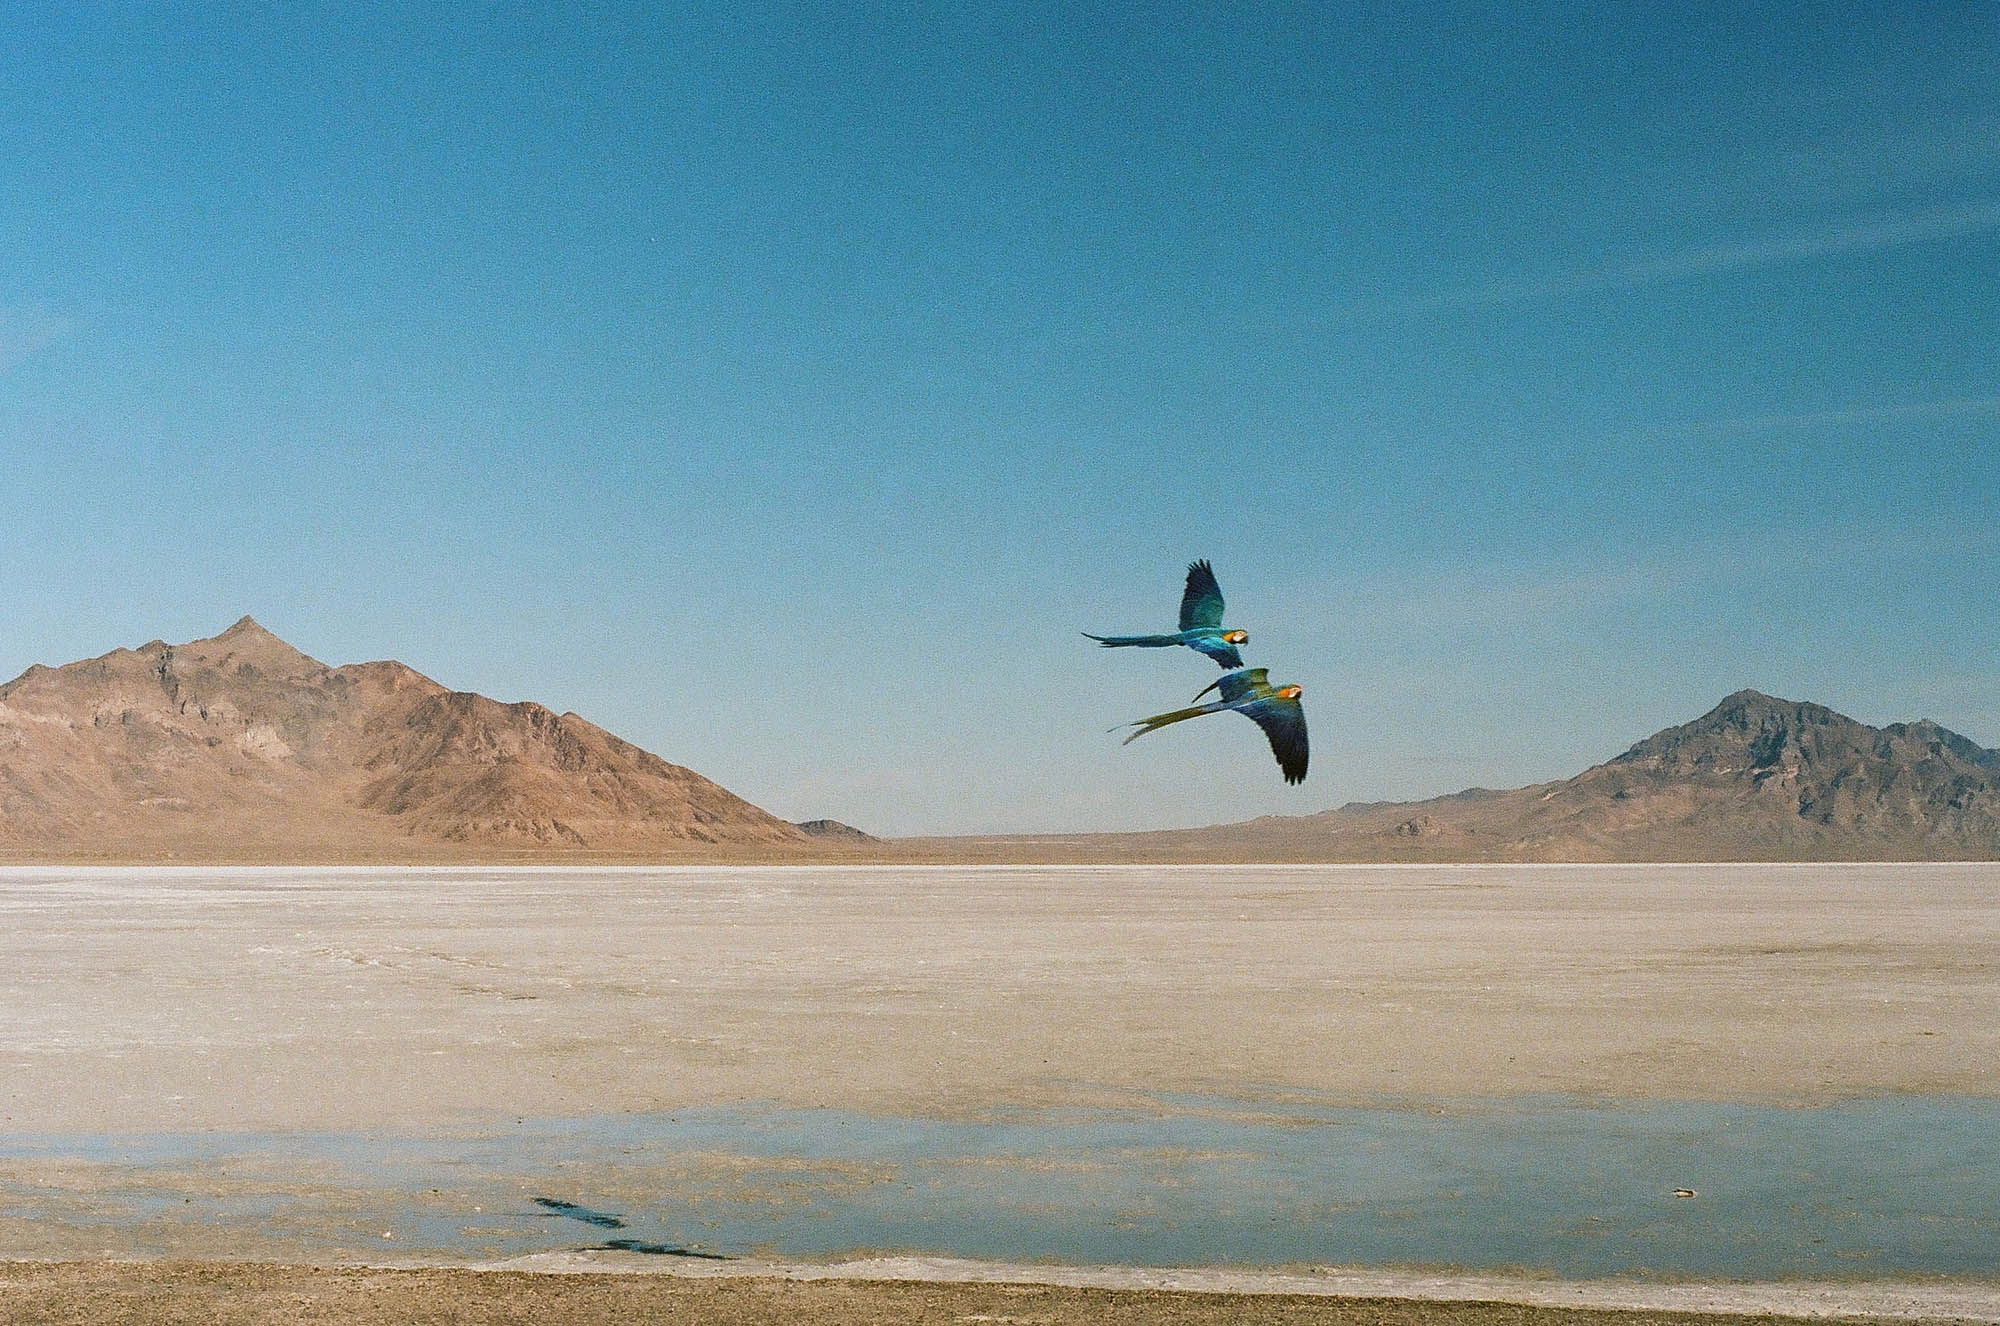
(345, 999)
(342, 999)
(159, 1293)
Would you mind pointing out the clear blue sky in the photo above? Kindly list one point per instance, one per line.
(785, 391)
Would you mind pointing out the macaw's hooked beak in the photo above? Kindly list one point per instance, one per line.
(1237, 638)
(1293, 692)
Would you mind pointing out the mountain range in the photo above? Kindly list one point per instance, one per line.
(240, 747)
(1754, 779)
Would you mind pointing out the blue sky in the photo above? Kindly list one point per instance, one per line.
(786, 390)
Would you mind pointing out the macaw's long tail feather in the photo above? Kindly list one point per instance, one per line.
(1143, 641)
(1158, 721)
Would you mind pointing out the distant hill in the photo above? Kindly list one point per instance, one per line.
(241, 747)
(836, 831)
(1754, 779)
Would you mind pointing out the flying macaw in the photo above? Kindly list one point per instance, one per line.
(1201, 623)
(1249, 692)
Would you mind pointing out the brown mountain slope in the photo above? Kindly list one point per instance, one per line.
(1754, 779)
(241, 746)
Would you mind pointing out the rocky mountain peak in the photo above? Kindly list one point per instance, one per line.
(240, 743)
(246, 642)
(1750, 730)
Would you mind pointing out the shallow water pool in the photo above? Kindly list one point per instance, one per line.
(1900, 1186)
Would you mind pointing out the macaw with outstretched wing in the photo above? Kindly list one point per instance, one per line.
(1201, 623)
(1249, 692)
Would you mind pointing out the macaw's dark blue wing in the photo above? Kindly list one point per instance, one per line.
(1218, 649)
(1201, 601)
(1284, 722)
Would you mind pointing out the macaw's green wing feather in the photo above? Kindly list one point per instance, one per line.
(1284, 722)
(1201, 601)
(1246, 684)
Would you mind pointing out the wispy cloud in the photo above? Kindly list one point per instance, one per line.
(1863, 235)
(1493, 592)
(23, 331)
(1556, 590)
(1951, 407)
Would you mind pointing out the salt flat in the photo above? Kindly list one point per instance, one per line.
(151, 1000)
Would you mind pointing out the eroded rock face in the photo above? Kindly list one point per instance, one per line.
(1763, 777)
(241, 742)
(1830, 770)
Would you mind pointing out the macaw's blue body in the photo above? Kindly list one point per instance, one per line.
(1249, 692)
(1201, 623)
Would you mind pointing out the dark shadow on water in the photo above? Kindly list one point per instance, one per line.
(556, 1206)
(575, 1211)
(655, 1249)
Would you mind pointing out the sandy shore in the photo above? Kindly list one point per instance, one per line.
(907, 1290)
(267, 999)
(1887, 1300)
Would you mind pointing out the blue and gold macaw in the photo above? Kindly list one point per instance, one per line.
(1249, 692)
(1201, 623)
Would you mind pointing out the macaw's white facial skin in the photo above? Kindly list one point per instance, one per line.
(1237, 638)
(1292, 692)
